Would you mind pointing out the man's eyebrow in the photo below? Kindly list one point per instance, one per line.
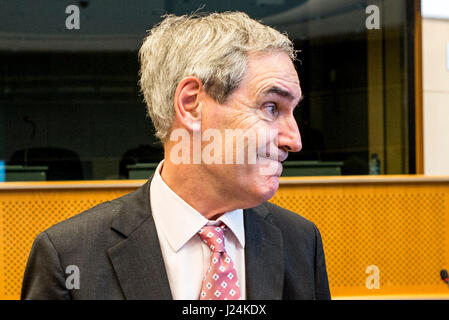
(281, 92)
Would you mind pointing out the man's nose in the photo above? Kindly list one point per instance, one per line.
(289, 138)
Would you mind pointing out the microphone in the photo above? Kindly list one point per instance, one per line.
(444, 276)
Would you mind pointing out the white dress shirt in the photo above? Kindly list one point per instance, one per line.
(186, 257)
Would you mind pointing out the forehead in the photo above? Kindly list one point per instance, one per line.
(271, 70)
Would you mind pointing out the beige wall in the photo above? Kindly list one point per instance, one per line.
(435, 38)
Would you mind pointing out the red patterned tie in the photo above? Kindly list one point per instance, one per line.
(221, 281)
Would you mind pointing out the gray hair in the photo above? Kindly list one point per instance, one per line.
(213, 47)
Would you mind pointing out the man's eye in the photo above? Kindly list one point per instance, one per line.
(271, 109)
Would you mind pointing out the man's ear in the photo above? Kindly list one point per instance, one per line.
(187, 102)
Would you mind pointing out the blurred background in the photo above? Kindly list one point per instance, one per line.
(70, 106)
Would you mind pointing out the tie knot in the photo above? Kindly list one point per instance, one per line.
(213, 236)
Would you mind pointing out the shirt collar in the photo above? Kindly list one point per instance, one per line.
(178, 221)
(234, 221)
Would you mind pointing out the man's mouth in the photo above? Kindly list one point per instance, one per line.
(270, 167)
(280, 158)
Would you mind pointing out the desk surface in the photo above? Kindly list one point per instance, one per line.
(99, 184)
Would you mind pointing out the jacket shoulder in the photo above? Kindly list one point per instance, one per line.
(284, 218)
(93, 218)
(92, 226)
(294, 227)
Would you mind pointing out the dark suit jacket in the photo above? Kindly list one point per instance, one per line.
(116, 249)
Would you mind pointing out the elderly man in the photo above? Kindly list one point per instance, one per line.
(201, 227)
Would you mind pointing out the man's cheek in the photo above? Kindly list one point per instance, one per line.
(243, 117)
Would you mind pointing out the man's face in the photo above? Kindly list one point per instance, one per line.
(263, 104)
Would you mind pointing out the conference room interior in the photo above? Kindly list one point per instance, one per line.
(74, 130)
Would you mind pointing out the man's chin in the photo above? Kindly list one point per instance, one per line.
(268, 188)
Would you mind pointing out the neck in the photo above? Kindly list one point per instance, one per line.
(188, 182)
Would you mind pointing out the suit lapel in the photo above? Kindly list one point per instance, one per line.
(140, 268)
(264, 258)
(137, 259)
(139, 265)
